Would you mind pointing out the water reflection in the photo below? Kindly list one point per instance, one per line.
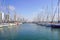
(55, 34)
(29, 32)
(7, 33)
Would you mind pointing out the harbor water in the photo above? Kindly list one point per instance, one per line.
(29, 31)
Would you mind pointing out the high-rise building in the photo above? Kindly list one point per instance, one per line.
(7, 17)
(0, 17)
(15, 17)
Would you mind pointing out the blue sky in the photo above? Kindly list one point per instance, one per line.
(27, 8)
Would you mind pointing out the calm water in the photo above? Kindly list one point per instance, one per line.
(29, 32)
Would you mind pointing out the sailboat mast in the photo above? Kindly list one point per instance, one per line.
(47, 14)
(0, 5)
(58, 11)
(52, 10)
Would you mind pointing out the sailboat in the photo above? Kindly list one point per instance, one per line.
(57, 24)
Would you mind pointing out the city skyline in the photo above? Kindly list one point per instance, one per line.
(29, 8)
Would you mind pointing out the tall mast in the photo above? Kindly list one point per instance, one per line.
(0, 5)
(52, 10)
(58, 10)
(14, 15)
(8, 12)
(3, 3)
(47, 14)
